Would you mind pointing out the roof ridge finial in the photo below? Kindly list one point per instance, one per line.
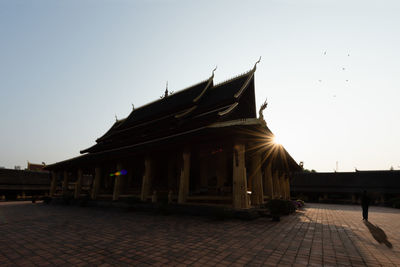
(258, 61)
(116, 119)
(166, 90)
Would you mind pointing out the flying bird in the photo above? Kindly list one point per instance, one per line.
(325, 53)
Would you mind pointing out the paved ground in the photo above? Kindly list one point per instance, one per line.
(321, 234)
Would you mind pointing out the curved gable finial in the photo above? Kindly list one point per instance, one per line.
(251, 74)
(260, 112)
(258, 61)
(207, 86)
(214, 71)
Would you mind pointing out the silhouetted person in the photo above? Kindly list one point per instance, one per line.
(365, 204)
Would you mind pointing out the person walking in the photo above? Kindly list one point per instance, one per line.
(365, 204)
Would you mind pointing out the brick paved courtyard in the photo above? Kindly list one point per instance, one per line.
(321, 234)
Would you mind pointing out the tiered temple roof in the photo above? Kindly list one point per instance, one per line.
(192, 108)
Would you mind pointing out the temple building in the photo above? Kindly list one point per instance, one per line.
(203, 144)
(35, 167)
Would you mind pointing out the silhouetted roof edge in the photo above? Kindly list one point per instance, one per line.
(208, 80)
(250, 121)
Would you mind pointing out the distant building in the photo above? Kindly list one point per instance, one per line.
(346, 187)
(36, 167)
(203, 144)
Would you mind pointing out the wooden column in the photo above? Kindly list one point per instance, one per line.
(239, 190)
(117, 183)
(283, 186)
(184, 178)
(255, 179)
(78, 184)
(147, 178)
(276, 186)
(65, 182)
(288, 187)
(96, 182)
(53, 184)
(268, 183)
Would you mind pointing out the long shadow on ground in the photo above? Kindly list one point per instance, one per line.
(378, 234)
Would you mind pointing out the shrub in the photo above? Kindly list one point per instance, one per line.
(300, 202)
(277, 207)
(297, 204)
(289, 207)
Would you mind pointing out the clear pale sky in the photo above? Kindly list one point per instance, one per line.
(68, 67)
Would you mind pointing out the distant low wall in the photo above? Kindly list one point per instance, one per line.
(346, 187)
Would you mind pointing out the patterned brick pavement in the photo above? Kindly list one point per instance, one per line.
(321, 234)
